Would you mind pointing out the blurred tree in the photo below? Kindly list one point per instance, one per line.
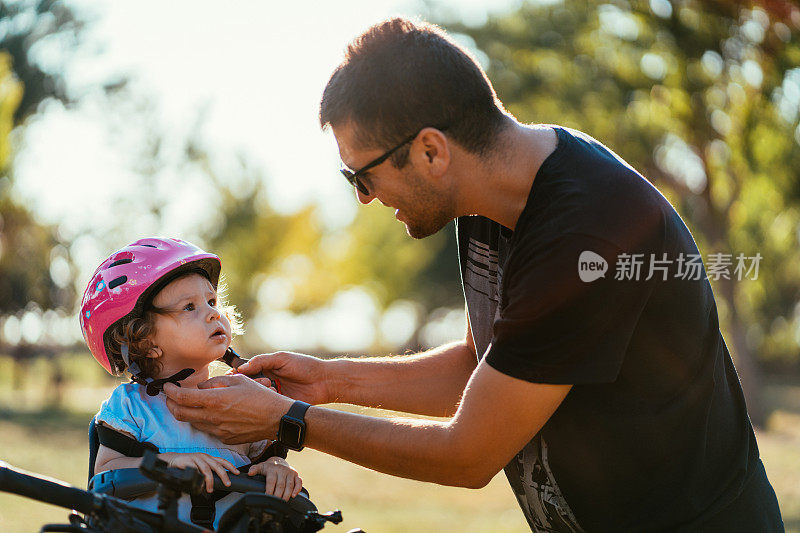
(398, 266)
(29, 31)
(28, 26)
(10, 97)
(27, 249)
(260, 247)
(702, 98)
(254, 241)
(35, 268)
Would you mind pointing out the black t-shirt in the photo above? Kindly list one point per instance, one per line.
(654, 434)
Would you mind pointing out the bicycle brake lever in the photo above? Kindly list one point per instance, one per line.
(333, 517)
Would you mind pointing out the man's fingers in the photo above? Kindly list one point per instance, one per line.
(186, 396)
(186, 413)
(219, 382)
(267, 382)
(259, 363)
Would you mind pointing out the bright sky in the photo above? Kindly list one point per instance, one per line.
(256, 67)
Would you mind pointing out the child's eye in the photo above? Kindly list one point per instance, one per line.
(212, 302)
(188, 307)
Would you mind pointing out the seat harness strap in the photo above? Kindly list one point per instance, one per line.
(121, 443)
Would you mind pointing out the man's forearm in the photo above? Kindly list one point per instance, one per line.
(428, 383)
(425, 450)
(496, 417)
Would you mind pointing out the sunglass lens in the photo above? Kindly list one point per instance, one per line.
(354, 181)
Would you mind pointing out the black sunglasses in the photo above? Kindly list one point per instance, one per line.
(354, 177)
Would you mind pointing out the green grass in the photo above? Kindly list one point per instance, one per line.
(53, 442)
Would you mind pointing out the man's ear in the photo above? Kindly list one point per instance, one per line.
(436, 151)
(154, 352)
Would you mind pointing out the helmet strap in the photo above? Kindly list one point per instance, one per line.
(123, 349)
(232, 359)
(133, 368)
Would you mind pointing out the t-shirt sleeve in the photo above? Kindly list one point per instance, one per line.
(120, 412)
(257, 448)
(553, 326)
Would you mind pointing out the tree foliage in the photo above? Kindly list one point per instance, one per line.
(28, 248)
(702, 98)
(260, 247)
(25, 27)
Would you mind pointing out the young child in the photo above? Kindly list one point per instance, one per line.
(152, 308)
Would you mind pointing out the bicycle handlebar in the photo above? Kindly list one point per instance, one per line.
(127, 483)
(115, 511)
(48, 490)
(55, 492)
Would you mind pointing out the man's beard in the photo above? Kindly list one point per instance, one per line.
(419, 229)
(431, 210)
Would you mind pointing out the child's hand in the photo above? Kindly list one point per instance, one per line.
(206, 464)
(283, 481)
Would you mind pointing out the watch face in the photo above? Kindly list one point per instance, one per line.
(291, 433)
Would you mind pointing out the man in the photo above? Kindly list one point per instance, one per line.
(612, 404)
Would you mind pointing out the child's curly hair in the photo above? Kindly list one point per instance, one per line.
(137, 331)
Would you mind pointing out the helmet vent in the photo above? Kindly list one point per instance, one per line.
(149, 245)
(120, 262)
(116, 282)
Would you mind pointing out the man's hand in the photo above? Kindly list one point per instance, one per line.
(302, 377)
(235, 409)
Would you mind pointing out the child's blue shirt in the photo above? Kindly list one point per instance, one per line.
(146, 418)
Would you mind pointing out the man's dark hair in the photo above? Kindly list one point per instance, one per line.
(399, 77)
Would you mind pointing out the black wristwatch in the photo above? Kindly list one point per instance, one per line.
(292, 429)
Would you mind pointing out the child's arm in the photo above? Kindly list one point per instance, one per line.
(108, 459)
(283, 481)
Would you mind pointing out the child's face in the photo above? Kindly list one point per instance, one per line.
(193, 333)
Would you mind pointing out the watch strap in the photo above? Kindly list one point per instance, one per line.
(295, 416)
(298, 410)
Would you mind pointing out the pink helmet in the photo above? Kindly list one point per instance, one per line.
(124, 282)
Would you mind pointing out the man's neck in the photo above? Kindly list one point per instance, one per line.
(497, 186)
